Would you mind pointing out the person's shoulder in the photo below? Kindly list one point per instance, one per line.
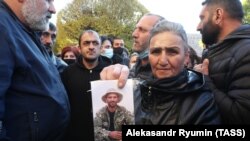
(69, 69)
(5, 24)
(59, 61)
(243, 44)
(116, 57)
(122, 108)
(102, 110)
(6, 18)
(240, 50)
(105, 61)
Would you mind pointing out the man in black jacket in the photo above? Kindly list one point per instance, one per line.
(120, 50)
(76, 79)
(227, 62)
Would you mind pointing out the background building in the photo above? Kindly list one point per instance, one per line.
(194, 40)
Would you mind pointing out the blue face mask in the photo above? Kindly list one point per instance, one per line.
(108, 53)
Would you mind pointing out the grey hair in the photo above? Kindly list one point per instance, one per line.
(155, 15)
(167, 26)
(134, 54)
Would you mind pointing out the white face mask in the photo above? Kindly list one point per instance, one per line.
(132, 65)
(108, 53)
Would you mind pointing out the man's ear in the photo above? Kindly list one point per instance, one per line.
(218, 15)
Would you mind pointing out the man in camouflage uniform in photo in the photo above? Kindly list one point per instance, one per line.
(110, 118)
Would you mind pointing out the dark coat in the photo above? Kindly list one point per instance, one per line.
(33, 102)
(183, 99)
(229, 76)
(76, 79)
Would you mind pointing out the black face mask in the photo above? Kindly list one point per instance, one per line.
(69, 61)
(118, 50)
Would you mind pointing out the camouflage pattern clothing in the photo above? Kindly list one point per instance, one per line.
(102, 122)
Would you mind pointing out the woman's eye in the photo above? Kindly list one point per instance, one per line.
(155, 51)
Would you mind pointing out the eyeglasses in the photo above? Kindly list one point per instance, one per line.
(87, 43)
(48, 34)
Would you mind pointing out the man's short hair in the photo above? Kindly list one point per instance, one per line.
(52, 27)
(232, 7)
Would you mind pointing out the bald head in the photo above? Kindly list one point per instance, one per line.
(142, 31)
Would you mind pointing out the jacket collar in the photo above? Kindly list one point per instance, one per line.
(186, 81)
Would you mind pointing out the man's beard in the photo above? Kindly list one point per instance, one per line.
(112, 104)
(33, 19)
(210, 33)
(142, 48)
(48, 47)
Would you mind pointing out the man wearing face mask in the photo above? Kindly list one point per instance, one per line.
(70, 54)
(106, 47)
(120, 50)
(48, 38)
(133, 59)
(108, 51)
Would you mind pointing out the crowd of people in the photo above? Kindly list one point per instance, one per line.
(47, 97)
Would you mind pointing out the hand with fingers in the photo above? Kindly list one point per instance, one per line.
(202, 68)
(114, 72)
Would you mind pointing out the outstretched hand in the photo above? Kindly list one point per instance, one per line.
(114, 72)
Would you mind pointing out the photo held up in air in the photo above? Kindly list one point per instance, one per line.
(112, 108)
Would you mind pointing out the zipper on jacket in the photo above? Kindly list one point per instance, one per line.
(35, 117)
(35, 126)
(1, 128)
(149, 91)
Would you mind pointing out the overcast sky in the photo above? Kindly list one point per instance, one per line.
(185, 12)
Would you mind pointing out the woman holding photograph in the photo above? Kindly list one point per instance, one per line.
(173, 95)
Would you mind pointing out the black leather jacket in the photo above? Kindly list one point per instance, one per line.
(183, 99)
